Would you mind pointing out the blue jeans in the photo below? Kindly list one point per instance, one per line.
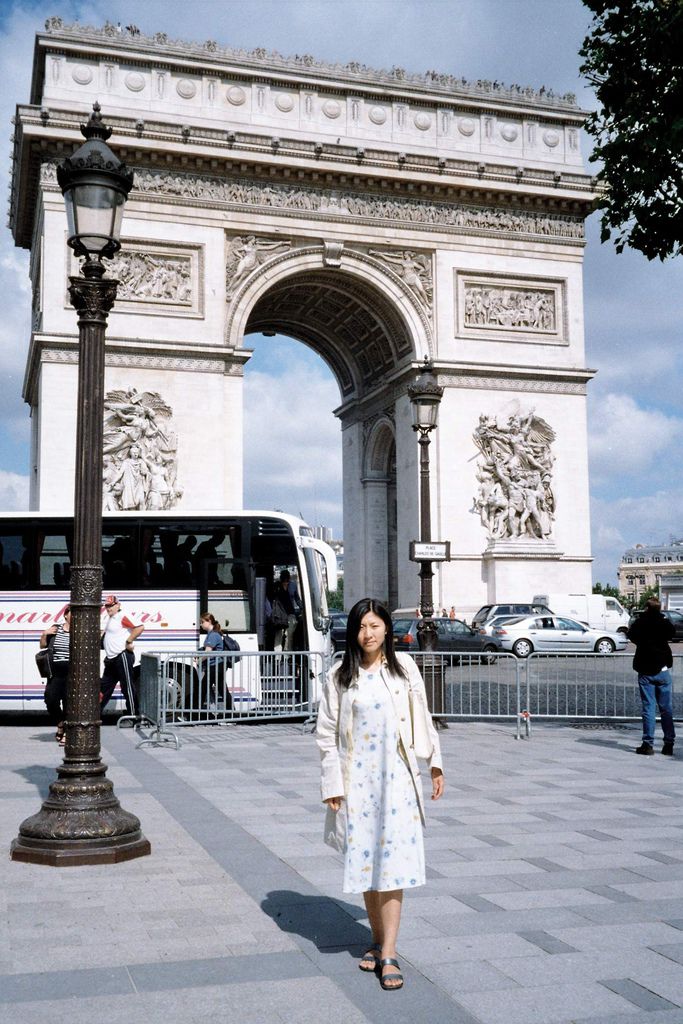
(656, 691)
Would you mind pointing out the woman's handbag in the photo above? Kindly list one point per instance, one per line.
(44, 658)
(423, 746)
(335, 828)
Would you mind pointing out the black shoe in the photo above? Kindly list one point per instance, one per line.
(668, 747)
(645, 748)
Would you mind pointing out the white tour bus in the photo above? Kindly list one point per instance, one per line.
(165, 568)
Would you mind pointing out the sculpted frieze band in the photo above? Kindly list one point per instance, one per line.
(349, 204)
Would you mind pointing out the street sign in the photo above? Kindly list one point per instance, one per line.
(430, 551)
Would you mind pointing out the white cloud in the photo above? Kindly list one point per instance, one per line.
(292, 447)
(625, 437)
(13, 492)
(622, 522)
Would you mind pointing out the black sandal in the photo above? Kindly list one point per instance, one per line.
(59, 735)
(395, 976)
(371, 955)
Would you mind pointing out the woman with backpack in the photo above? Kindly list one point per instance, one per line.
(212, 672)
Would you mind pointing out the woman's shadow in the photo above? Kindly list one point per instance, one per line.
(38, 775)
(332, 926)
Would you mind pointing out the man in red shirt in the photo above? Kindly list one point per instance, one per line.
(117, 640)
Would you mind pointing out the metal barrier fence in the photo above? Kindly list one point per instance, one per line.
(584, 686)
(189, 688)
(464, 686)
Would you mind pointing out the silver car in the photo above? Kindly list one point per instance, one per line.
(488, 628)
(555, 633)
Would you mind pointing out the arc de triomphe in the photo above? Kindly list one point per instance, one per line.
(379, 217)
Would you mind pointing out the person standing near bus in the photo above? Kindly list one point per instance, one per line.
(287, 597)
(55, 688)
(119, 659)
(372, 710)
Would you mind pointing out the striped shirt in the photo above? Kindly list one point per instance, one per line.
(60, 645)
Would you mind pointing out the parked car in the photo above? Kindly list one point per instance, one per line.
(489, 611)
(674, 617)
(452, 635)
(489, 626)
(338, 622)
(555, 633)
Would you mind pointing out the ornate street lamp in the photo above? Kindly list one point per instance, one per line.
(81, 821)
(425, 396)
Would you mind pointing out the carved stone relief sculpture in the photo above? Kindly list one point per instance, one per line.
(514, 470)
(244, 193)
(520, 308)
(140, 452)
(151, 277)
(246, 253)
(414, 269)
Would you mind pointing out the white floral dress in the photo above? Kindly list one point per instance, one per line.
(385, 848)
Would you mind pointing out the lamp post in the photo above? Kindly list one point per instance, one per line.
(425, 396)
(81, 821)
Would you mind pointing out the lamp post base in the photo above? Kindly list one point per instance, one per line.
(81, 822)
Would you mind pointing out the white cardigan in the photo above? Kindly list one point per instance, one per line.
(335, 720)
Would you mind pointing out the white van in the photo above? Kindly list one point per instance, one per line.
(597, 610)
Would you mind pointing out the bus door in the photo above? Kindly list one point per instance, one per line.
(224, 593)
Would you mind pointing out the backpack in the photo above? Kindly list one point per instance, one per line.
(278, 615)
(230, 644)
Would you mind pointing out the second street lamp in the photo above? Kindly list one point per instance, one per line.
(425, 396)
(81, 821)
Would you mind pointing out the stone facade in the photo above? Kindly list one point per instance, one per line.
(378, 216)
(644, 565)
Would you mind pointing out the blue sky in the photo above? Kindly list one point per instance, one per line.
(633, 308)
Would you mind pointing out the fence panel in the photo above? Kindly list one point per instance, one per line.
(585, 686)
(463, 686)
(189, 688)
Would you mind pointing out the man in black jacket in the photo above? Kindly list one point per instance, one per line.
(652, 661)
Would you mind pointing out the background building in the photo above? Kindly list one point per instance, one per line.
(644, 565)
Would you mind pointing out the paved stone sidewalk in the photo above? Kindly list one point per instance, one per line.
(555, 890)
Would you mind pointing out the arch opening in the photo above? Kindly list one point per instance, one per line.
(348, 322)
(362, 336)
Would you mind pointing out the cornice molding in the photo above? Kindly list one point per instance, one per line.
(214, 58)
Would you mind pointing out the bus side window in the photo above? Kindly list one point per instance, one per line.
(120, 558)
(15, 561)
(54, 562)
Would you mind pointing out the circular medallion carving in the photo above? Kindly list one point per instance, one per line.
(236, 95)
(134, 81)
(466, 126)
(509, 132)
(551, 138)
(377, 115)
(331, 108)
(186, 88)
(82, 74)
(423, 122)
(284, 102)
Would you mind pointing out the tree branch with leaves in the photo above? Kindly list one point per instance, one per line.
(633, 57)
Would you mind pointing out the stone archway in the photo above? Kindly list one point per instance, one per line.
(379, 218)
(381, 508)
(365, 327)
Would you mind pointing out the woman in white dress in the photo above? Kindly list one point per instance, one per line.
(370, 771)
